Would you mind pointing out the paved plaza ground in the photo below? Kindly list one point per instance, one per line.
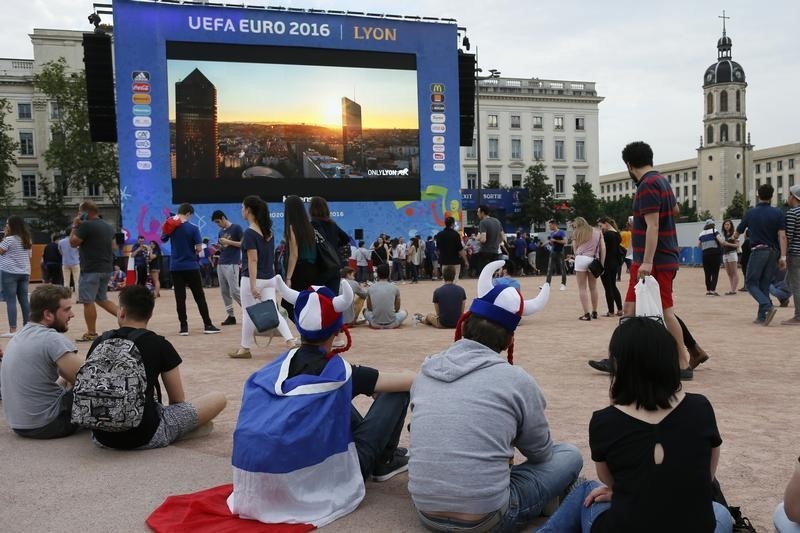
(751, 379)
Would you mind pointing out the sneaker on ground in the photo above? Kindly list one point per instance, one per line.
(386, 471)
(7, 335)
(210, 328)
(86, 337)
(687, 374)
(603, 365)
(230, 321)
(241, 353)
(563, 287)
(184, 331)
(770, 316)
(791, 322)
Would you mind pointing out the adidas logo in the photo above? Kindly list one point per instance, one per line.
(141, 76)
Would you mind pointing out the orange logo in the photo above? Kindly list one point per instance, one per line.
(139, 98)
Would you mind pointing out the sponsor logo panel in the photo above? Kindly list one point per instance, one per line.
(142, 122)
(144, 165)
(438, 128)
(438, 167)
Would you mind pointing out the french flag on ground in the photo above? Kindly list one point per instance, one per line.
(130, 274)
(294, 460)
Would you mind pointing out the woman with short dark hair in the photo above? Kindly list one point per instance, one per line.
(15, 266)
(655, 448)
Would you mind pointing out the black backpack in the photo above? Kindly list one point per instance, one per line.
(109, 393)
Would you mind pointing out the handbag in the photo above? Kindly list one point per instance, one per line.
(596, 267)
(264, 315)
(327, 255)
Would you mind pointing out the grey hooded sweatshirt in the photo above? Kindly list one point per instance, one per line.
(470, 409)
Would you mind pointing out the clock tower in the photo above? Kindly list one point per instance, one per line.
(724, 155)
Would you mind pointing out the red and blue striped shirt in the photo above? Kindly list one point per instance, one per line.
(654, 195)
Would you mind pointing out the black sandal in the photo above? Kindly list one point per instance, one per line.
(594, 315)
(587, 316)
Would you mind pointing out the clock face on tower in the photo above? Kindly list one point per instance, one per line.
(737, 74)
(710, 76)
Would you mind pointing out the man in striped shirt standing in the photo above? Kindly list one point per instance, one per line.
(793, 252)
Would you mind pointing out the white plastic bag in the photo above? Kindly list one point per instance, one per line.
(648, 298)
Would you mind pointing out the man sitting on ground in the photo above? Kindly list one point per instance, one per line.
(301, 451)
(383, 303)
(351, 313)
(470, 409)
(507, 270)
(39, 366)
(448, 302)
(161, 424)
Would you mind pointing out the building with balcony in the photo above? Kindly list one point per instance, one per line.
(31, 116)
(528, 120)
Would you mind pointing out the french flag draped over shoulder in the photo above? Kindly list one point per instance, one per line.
(294, 460)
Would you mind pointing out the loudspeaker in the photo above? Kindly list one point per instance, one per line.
(466, 97)
(100, 87)
(359, 234)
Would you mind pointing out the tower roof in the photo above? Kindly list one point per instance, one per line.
(725, 70)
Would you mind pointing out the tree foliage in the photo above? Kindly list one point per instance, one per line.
(585, 203)
(540, 204)
(8, 159)
(49, 208)
(737, 207)
(71, 151)
(619, 210)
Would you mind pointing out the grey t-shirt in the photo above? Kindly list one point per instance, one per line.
(28, 375)
(492, 228)
(382, 295)
(96, 250)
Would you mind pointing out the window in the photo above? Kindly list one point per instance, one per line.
(579, 124)
(61, 184)
(602, 189)
(791, 164)
(780, 181)
(723, 133)
(685, 176)
(580, 152)
(694, 175)
(24, 111)
(769, 166)
(738, 100)
(93, 189)
(494, 177)
(472, 180)
(769, 180)
(515, 123)
(558, 123)
(758, 183)
(55, 111)
(559, 152)
(537, 122)
(580, 178)
(694, 191)
(677, 192)
(516, 149)
(710, 103)
(791, 180)
(538, 149)
(758, 168)
(492, 121)
(669, 178)
(26, 143)
(471, 153)
(723, 101)
(614, 187)
(494, 148)
(686, 192)
(780, 165)
(738, 133)
(710, 134)
(516, 180)
(29, 185)
(559, 183)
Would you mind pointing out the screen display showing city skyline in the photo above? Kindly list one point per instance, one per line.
(276, 121)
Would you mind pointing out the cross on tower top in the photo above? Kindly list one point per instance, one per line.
(724, 18)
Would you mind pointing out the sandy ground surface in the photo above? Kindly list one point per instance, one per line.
(70, 485)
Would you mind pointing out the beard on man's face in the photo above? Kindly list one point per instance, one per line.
(60, 326)
(633, 177)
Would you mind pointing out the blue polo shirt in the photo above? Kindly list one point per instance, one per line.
(764, 222)
(183, 240)
(231, 255)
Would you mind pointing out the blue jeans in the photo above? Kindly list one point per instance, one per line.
(16, 286)
(362, 276)
(793, 280)
(760, 270)
(556, 263)
(573, 517)
(535, 484)
(377, 434)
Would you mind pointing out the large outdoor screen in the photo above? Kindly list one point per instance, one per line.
(274, 121)
(218, 102)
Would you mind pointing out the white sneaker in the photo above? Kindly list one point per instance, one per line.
(7, 335)
(563, 287)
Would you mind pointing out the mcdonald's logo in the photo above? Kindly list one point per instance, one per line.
(437, 88)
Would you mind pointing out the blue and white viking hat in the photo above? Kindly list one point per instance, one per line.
(502, 304)
(317, 311)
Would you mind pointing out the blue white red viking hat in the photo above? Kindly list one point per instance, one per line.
(317, 311)
(502, 304)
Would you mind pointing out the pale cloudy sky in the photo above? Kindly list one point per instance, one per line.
(647, 57)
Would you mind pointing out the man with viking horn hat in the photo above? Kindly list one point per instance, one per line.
(470, 409)
(301, 452)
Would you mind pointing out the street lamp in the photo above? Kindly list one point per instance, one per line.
(493, 74)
